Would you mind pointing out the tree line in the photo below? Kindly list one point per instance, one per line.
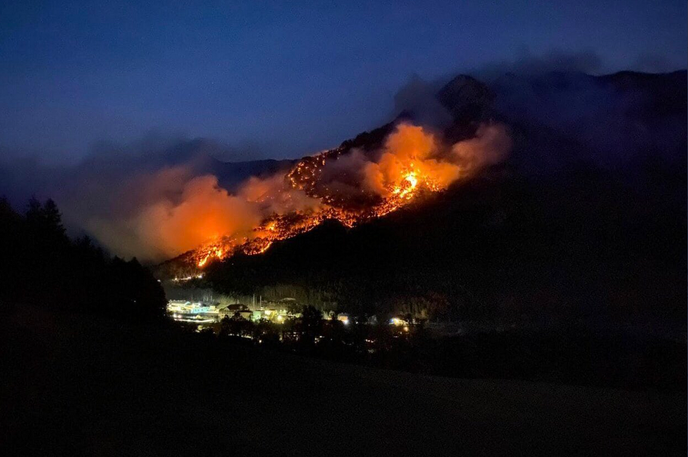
(41, 265)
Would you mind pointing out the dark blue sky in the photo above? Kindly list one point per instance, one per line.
(280, 78)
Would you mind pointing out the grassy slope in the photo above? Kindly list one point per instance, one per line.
(73, 385)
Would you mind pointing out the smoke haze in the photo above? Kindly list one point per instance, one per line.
(161, 196)
(153, 211)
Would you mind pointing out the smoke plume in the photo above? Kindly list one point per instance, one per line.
(166, 227)
(139, 205)
(352, 186)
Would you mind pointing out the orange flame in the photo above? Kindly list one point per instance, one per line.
(412, 163)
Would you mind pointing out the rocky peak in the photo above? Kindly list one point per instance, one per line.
(466, 98)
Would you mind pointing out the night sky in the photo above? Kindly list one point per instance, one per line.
(279, 79)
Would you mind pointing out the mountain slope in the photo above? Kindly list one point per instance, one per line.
(564, 230)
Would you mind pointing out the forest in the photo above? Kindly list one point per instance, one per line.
(582, 247)
(42, 266)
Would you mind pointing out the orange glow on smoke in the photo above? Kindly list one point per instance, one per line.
(350, 187)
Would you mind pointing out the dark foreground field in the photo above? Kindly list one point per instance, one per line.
(74, 385)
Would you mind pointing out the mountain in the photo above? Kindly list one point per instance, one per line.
(200, 155)
(610, 120)
(580, 224)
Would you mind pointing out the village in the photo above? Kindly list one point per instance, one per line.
(285, 322)
(274, 312)
(201, 312)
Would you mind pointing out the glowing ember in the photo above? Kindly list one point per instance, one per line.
(351, 187)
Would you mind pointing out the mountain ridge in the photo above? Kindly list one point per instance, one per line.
(553, 233)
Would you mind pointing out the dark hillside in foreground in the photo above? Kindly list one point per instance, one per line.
(73, 385)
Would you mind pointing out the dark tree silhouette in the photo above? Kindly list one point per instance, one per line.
(42, 266)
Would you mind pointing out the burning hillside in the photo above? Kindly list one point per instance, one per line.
(351, 186)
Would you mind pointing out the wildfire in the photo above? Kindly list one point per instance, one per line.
(348, 186)
(408, 186)
(212, 252)
(279, 227)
